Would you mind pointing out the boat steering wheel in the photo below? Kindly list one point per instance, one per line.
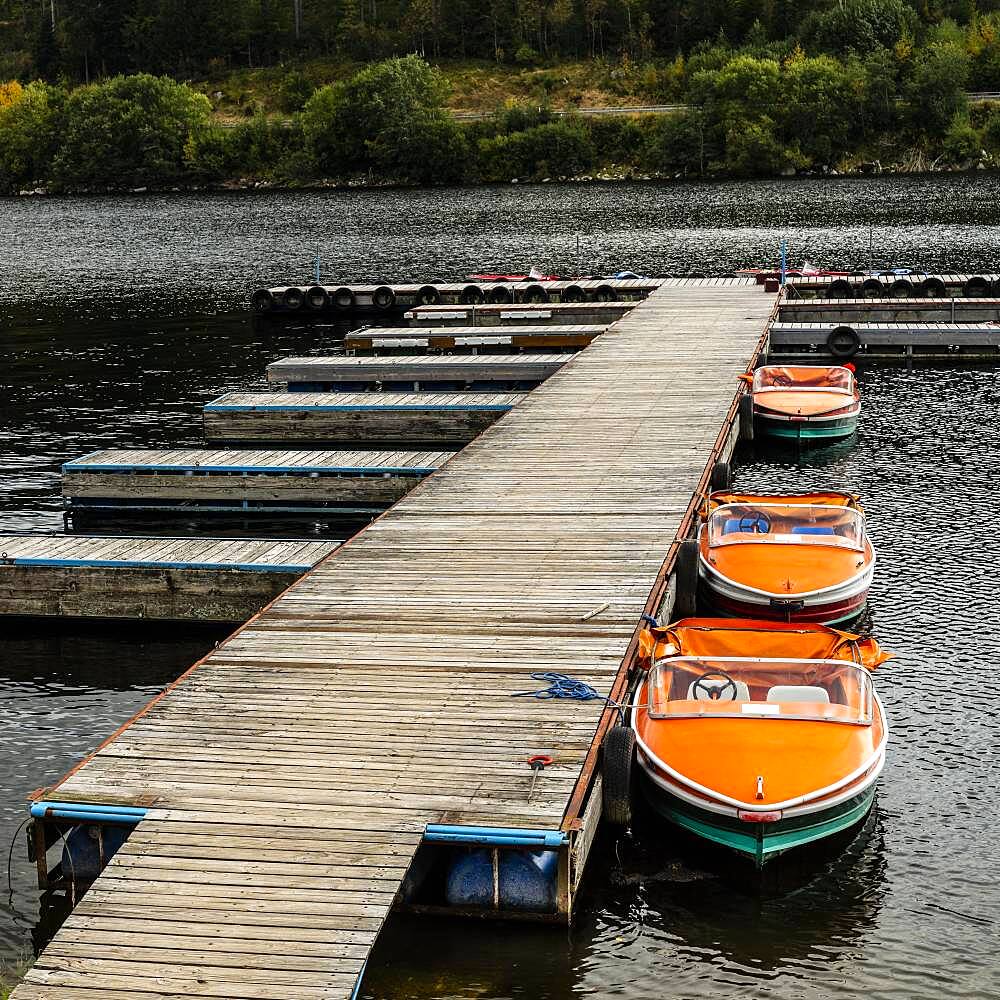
(715, 692)
(758, 523)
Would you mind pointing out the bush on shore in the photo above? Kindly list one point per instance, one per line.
(754, 112)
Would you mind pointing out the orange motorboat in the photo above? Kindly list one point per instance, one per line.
(759, 736)
(805, 402)
(804, 557)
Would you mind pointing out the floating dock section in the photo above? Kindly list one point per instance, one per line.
(172, 579)
(339, 417)
(325, 762)
(953, 309)
(186, 481)
(406, 373)
(474, 339)
(319, 300)
(549, 314)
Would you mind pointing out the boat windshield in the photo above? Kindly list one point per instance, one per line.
(686, 687)
(803, 378)
(786, 524)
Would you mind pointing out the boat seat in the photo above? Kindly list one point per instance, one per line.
(802, 693)
(732, 525)
(813, 529)
(742, 691)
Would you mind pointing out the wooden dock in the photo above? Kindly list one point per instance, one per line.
(422, 418)
(549, 314)
(173, 579)
(570, 337)
(927, 339)
(412, 373)
(953, 309)
(317, 300)
(895, 285)
(244, 482)
(281, 788)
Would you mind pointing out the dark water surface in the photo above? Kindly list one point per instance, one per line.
(908, 908)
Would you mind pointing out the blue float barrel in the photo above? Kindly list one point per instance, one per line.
(86, 846)
(527, 880)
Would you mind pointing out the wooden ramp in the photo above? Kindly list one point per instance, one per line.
(174, 579)
(474, 338)
(372, 701)
(494, 372)
(226, 482)
(287, 418)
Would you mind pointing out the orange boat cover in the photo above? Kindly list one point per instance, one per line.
(829, 498)
(774, 640)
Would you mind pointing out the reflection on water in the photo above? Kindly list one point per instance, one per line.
(906, 909)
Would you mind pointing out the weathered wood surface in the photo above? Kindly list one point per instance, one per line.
(265, 477)
(889, 334)
(475, 339)
(948, 310)
(374, 696)
(174, 579)
(554, 314)
(354, 418)
(416, 370)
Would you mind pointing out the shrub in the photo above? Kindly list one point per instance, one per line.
(962, 142)
(29, 129)
(559, 149)
(388, 119)
(294, 90)
(128, 132)
(754, 151)
(935, 88)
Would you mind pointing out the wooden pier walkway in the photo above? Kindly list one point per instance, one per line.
(550, 314)
(286, 482)
(289, 418)
(283, 785)
(405, 373)
(191, 579)
(474, 338)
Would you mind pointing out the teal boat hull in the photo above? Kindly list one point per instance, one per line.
(759, 843)
(807, 430)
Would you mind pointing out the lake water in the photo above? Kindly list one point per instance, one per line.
(121, 318)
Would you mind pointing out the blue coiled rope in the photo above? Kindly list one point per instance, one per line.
(560, 686)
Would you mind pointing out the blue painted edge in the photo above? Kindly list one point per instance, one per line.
(361, 976)
(373, 470)
(86, 812)
(496, 835)
(154, 564)
(395, 408)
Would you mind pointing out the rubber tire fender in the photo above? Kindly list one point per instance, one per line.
(976, 287)
(317, 298)
(746, 417)
(471, 295)
(721, 478)
(841, 288)
(604, 293)
(535, 293)
(686, 572)
(262, 301)
(617, 762)
(383, 298)
(872, 288)
(499, 295)
(843, 342)
(293, 299)
(428, 295)
(901, 289)
(572, 293)
(343, 298)
(933, 288)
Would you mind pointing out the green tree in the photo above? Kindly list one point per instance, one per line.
(388, 119)
(128, 132)
(558, 149)
(934, 88)
(858, 26)
(29, 127)
(820, 108)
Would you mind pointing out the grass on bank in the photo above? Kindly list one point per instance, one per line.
(12, 971)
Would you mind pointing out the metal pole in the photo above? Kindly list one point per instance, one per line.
(784, 261)
(317, 266)
(871, 247)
